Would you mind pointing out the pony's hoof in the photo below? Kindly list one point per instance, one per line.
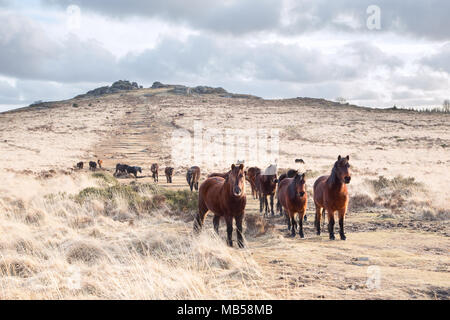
(302, 236)
(332, 237)
(343, 237)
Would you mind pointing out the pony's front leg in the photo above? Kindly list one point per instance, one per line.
(240, 238)
(317, 219)
(330, 214)
(229, 221)
(341, 223)
(300, 224)
(261, 204)
(271, 204)
(294, 225)
(266, 204)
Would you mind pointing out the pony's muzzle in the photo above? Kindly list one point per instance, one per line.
(347, 179)
(237, 191)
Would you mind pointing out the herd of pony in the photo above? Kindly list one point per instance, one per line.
(224, 195)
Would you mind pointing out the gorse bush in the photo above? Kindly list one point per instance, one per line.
(105, 178)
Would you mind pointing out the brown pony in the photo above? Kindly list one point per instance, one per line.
(168, 171)
(266, 186)
(330, 194)
(293, 198)
(192, 177)
(250, 176)
(100, 163)
(154, 169)
(225, 197)
(216, 174)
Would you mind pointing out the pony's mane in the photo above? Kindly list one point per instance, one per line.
(333, 179)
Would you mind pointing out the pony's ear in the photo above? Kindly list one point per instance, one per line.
(339, 158)
(233, 166)
(348, 158)
(241, 166)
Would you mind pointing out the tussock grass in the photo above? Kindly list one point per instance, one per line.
(118, 242)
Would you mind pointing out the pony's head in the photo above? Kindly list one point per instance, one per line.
(342, 169)
(139, 169)
(236, 180)
(300, 185)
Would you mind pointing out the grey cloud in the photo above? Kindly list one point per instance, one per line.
(27, 53)
(222, 16)
(441, 60)
(427, 19)
(203, 57)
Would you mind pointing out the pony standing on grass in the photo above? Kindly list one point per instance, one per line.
(192, 177)
(330, 194)
(226, 198)
(154, 169)
(292, 197)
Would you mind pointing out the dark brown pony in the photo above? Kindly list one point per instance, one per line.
(225, 197)
(80, 165)
(168, 171)
(293, 198)
(250, 176)
(100, 163)
(289, 174)
(330, 194)
(192, 177)
(266, 186)
(154, 169)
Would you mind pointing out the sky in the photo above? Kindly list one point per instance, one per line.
(376, 53)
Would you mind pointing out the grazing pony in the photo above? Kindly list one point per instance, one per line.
(299, 161)
(330, 194)
(80, 165)
(168, 171)
(250, 176)
(154, 169)
(293, 198)
(120, 168)
(192, 177)
(266, 185)
(92, 165)
(134, 170)
(100, 163)
(225, 197)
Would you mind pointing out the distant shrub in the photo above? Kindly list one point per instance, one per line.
(360, 201)
(182, 200)
(75, 105)
(105, 177)
(399, 184)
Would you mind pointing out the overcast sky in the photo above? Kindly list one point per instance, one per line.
(52, 50)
